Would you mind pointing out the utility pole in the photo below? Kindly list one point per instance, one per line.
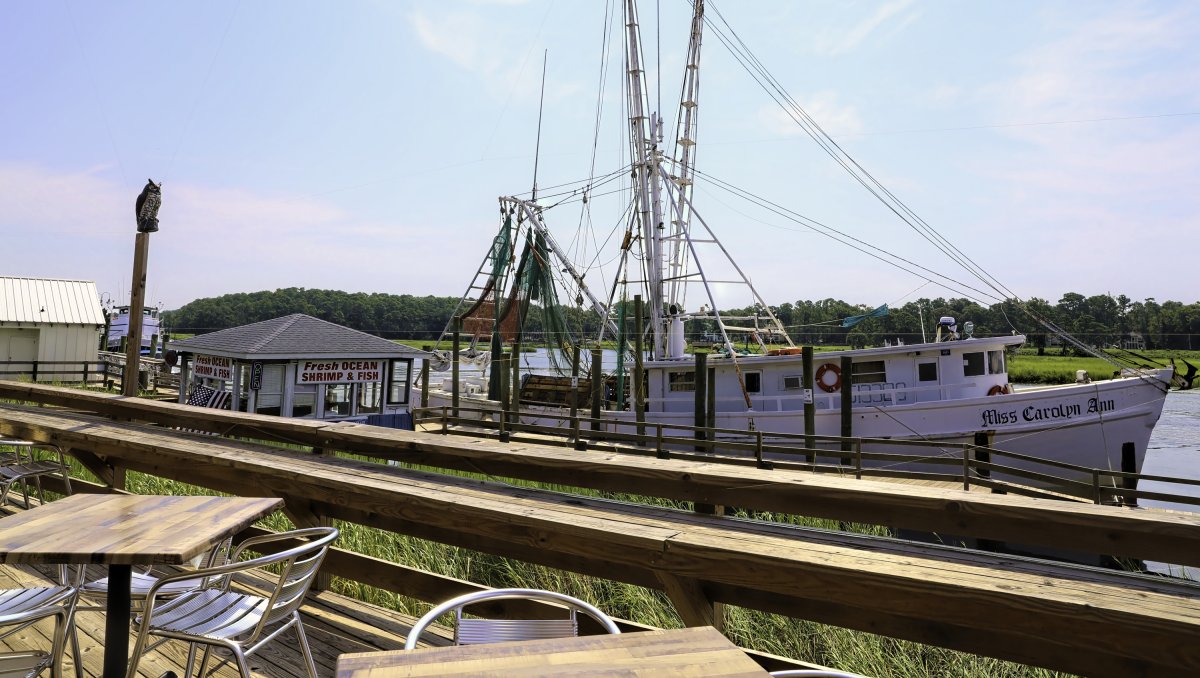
(146, 212)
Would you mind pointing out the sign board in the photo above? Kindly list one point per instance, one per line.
(339, 371)
(808, 396)
(213, 367)
(256, 372)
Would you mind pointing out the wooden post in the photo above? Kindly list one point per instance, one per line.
(597, 387)
(711, 405)
(982, 455)
(516, 380)
(639, 378)
(137, 299)
(502, 379)
(107, 329)
(1129, 465)
(425, 380)
(454, 386)
(501, 365)
(700, 377)
(810, 406)
(847, 405)
(575, 392)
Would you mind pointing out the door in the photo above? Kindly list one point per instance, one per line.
(928, 377)
(19, 348)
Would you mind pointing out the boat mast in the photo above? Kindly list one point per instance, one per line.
(683, 163)
(643, 150)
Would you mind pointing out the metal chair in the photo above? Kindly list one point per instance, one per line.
(20, 608)
(473, 631)
(241, 622)
(93, 593)
(814, 673)
(24, 464)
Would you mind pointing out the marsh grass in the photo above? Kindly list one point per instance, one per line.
(1027, 367)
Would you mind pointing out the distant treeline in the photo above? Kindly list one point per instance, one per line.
(1101, 320)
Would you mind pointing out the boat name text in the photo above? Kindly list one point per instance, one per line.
(996, 417)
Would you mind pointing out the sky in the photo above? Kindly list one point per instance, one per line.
(362, 145)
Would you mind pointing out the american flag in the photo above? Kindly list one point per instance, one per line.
(201, 395)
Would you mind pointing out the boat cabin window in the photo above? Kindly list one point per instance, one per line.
(681, 381)
(927, 372)
(995, 362)
(869, 372)
(973, 364)
(753, 382)
(793, 382)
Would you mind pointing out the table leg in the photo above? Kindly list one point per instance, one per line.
(116, 623)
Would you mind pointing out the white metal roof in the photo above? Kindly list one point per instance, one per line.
(43, 300)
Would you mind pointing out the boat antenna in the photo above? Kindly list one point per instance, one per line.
(537, 147)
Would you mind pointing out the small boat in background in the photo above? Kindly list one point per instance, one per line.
(118, 328)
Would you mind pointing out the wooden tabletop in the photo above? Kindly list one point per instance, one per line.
(698, 651)
(120, 529)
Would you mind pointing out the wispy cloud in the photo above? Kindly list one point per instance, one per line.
(889, 16)
(835, 117)
(1101, 190)
(212, 240)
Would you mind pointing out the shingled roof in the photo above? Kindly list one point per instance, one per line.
(293, 336)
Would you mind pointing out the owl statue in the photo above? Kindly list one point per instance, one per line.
(146, 208)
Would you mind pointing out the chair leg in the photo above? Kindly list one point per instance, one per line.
(243, 665)
(304, 648)
(191, 660)
(204, 661)
(76, 654)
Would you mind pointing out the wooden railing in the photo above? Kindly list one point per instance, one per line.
(108, 368)
(1075, 619)
(970, 465)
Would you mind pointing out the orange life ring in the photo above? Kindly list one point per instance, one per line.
(996, 390)
(837, 377)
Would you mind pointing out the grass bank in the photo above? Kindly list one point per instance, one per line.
(1027, 367)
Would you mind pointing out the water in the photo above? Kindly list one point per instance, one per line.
(1174, 449)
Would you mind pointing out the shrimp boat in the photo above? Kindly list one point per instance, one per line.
(118, 329)
(949, 390)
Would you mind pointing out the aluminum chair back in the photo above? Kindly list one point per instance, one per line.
(473, 631)
(24, 464)
(20, 608)
(218, 615)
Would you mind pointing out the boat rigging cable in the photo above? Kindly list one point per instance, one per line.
(759, 73)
